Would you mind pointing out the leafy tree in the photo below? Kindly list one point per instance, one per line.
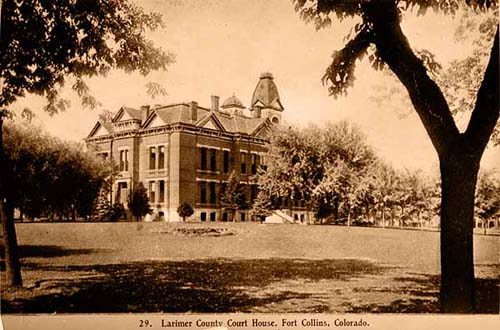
(386, 182)
(138, 202)
(262, 206)
(379, 34)
(45, 44)
(488, 198)
(185, 210)
(233, 196)
(462, 78)
(51, 176)
(324, 167)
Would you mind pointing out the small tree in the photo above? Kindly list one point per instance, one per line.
(138, 202)
(233, 197)
(185, 210)
(262, 206)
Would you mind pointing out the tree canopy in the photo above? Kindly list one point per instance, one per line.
(49, 176)
(43, 44)
(47, 44)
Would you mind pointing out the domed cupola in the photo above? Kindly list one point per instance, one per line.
(266, 99)
(233, 105)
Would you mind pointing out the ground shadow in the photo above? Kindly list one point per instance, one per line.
(209, 286)
(224, 285)
(49, 251)
(423, 291)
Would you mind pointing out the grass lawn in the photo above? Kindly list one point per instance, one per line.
(155, 267)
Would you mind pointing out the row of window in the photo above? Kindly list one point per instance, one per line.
(209, 195)
(224, 218)
(156, 158)
(208, 161)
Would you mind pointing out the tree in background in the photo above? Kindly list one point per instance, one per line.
(185, 210)
(462, 78)
(488, 198)
(52, 177)
(46, 44)
(138, 202)
(232, 198)
(378, 34)
(326, 168)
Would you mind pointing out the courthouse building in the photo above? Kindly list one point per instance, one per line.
(185, 152)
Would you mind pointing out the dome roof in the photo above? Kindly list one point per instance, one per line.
(266, 93)
(232, 102)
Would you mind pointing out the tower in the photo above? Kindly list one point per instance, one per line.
(266, 100)
(232, 105)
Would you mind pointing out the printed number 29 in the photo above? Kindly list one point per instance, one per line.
(144, 324)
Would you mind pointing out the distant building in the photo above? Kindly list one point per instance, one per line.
(185, 152)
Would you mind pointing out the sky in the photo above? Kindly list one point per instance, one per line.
(221, 48)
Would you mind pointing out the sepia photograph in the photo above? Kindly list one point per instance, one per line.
(241, 164)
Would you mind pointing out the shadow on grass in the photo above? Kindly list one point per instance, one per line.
(424, 294)
(223, 286)
(208, 286)
(49, 251)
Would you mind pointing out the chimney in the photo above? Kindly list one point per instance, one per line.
(257, 112)
(215, 103)
(145, 110)
(193, 108)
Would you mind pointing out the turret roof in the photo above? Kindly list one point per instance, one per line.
(266, 93)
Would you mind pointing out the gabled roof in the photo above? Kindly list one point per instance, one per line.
(239, 124)
(131, 112)
(211, 118)
(101, 124)
(181, 113)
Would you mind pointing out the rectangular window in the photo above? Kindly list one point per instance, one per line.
(213, 196)
(224, 217)
(203, 193)
(254, 163)
(243, 163)
(124, 160)
(152, 188)
(242, 216)
(121, 193)
(161, 157)
(213, 160)
(161, 192)
(263, 163)
(213, 216)
(203, 159)
(226, 161)
(152, 158)
(203, 216)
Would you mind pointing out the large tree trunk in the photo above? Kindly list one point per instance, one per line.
(12, 264)
(458, 179)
